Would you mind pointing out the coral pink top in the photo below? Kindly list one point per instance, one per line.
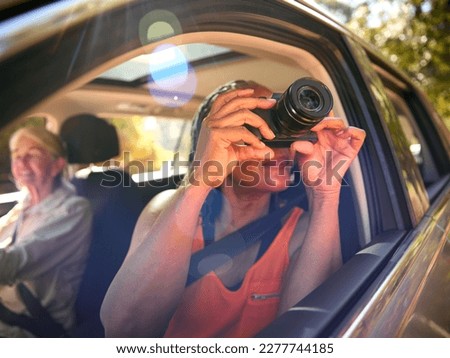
(209, 309)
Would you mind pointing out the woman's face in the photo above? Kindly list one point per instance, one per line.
(32, 165)
(268, 175)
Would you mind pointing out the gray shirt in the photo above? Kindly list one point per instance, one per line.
(49, 254)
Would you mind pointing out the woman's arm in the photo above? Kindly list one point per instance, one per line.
(60, 238)
(147, 288)
(323, 167)
(318, 256)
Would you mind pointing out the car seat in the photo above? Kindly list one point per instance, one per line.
(116, 204)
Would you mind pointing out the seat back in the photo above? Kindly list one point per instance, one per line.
(116, 204)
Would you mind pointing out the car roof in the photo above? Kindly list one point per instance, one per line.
(30, 36)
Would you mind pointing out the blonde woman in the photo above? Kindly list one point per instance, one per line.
(44, 239)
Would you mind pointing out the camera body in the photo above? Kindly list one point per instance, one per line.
(302, 106)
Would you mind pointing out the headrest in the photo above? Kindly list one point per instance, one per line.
(89, 139)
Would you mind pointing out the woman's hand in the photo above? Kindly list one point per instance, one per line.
(324, 163)
(224, 140)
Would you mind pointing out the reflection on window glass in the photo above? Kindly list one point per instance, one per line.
(141, 66)
(150, 144)
(416, 142)
(406, 119)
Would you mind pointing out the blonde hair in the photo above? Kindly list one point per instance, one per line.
(48, 140)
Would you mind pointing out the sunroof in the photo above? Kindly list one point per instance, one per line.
(164, 58)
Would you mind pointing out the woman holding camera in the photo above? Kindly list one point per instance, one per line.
(238, 179)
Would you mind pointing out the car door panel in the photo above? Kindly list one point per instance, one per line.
(389, 306)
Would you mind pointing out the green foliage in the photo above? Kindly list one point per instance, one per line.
(412, 34)
(416, 41)
(140, 149)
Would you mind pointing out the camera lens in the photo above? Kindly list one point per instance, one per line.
(310, 99)
(304, 104)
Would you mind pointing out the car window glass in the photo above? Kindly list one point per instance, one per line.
(163, 88)
(411, 179)
(150, 146)
(417, 145)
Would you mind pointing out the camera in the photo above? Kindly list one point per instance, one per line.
(303, 105)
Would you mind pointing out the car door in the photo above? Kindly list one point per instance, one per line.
(396, 200)
(413, 297)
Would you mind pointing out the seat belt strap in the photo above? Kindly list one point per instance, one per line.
(40, 323)
(224, 250)
(47, 326)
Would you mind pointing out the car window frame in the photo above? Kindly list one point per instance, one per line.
(407, 183)
(427, 124)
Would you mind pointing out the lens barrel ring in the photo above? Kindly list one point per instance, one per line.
(316, 88)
